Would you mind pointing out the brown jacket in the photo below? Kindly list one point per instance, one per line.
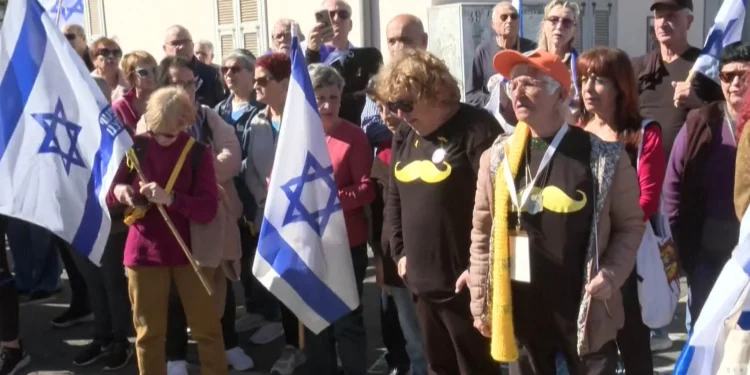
(742, 173)
(620, 231)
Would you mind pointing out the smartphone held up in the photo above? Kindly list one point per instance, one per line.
(324, 17)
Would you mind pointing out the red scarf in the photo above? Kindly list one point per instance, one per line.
(384, 152)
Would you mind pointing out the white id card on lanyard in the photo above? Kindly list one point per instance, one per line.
(520, 257)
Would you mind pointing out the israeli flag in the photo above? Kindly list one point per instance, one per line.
(60, 143)
(704, 349)
(518, 4)
(726, 30)
(304, 257)
(70, 11)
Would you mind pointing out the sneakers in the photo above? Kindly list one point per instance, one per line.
(177, 368)
(249, 322)
(91, 353)
(660, 342)
(118, 356)
(288, 361)
(71, 318)
(267, 333)
(37, 296)
(12, 360)
(239, 361)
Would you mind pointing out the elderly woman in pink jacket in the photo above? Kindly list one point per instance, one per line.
(216, 244)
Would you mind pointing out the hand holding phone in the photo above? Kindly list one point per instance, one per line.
(324, 25)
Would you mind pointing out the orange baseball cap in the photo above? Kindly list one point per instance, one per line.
(545, 62)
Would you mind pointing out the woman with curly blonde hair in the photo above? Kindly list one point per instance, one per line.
(435, 158)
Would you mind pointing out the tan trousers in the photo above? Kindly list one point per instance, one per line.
(149, 294)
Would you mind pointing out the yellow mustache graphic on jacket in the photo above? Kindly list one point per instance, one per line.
(555, 200)
(424, 170)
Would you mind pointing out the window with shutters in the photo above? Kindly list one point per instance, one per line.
(598, 26)
(601, 19)
(237, 24)
(95, 25)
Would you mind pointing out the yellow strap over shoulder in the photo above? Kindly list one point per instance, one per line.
(137, 213)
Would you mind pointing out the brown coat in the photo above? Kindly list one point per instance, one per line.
(741, 173)
(620, 227)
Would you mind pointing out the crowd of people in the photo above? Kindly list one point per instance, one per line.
(504, 229)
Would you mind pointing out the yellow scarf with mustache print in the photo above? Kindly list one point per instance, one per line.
(503, 341)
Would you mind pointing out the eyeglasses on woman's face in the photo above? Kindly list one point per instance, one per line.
(109, 53)
(565, 22)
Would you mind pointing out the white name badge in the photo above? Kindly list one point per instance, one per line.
(520, 261)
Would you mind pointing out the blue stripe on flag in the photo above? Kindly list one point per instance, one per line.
(682, 365)
(91, 221)
(23, 69)
(292, 269)
(299, 67)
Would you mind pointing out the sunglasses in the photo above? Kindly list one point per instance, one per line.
(233, 69)
(263, 81)
(71, 37)
(405, 106)
(145, 72)
(107, 52)
(566, 22)
(342, 13)
(512, 16)
(728, 77)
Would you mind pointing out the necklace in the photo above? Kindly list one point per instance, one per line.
(538, 144)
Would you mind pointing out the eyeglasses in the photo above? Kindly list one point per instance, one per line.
(109, 52)
(180, 42)
(405, 106)
(728, 77)
(566, 22)
(513, 17)
(71, 37)
(526, 82)
(342, 13)
(145, 72)
(282, 35)
(230, 69)
(263, 81)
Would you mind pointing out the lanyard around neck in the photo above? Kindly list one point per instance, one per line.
(509, 180)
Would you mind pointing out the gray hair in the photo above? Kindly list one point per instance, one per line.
(205, 44)
(293, 27)
(247, 62)
(324, 76)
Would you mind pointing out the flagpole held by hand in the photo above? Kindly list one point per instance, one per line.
(134, 160)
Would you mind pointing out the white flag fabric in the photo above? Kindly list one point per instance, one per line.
(726, 30)
(71, 11)
(60, 142)
(304, 257)
(518, 4)
(702, 352)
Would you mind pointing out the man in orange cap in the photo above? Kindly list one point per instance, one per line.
(551, 245)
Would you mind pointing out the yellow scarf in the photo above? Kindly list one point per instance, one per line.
(503, 347)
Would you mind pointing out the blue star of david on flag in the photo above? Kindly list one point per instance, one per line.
(69, 11)
(297, 211)
(51, 143)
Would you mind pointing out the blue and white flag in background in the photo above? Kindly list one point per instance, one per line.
(518, 4)
(703, 351)
(60, 143)
(726, 30)
(304, 257)
(71, 11)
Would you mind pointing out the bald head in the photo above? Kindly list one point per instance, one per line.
(405, 31)
(178, 42)
(76, 35)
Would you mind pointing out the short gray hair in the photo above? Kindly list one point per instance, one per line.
(293, 27)
(246, 61)
(205, 44)
(324, 76)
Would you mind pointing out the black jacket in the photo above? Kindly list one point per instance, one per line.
(357, 69)
(209, 89)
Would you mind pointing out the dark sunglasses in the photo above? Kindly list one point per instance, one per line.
(405, 106)
(566, 22)
(145, 72)
(71, 37)
(107, 52)
(728, 77)
(513, 16)
(263, 81)
(342, 13)
(234, 69)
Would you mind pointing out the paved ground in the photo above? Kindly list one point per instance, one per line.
(52, 350)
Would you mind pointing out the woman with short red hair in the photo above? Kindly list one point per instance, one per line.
(609, 109)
